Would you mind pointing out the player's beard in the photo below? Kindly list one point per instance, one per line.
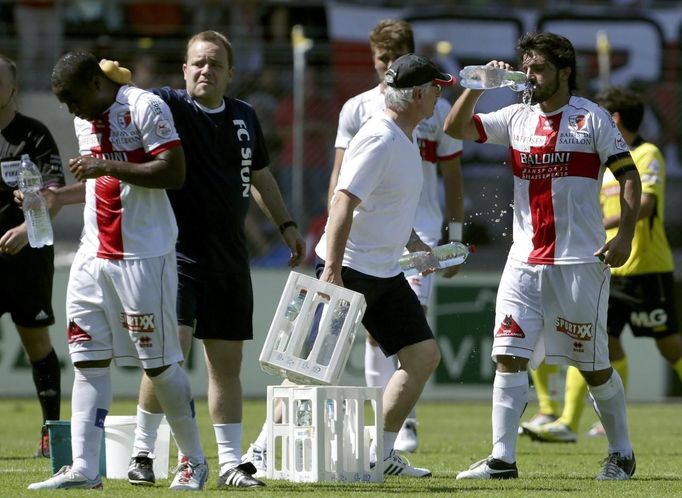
(545, 90)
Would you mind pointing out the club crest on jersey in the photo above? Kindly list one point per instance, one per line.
(620, 143)
(580, 331)
(124, 119)
(163, 128)
(576, 122)
(509, 328)
(138, 323)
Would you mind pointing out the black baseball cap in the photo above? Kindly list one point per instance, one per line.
(413, 70)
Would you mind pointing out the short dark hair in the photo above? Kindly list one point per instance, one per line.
(74, 69)
(10, 64)
(394, 35)
(626, 102)
(555, 48)
(213, 37)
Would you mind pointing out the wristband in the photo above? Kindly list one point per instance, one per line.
(454, 231)
(286, 225)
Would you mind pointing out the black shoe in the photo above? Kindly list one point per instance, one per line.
(240, 476)
(617, 468)
(141, 470)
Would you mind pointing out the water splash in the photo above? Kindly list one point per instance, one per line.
(527, 96)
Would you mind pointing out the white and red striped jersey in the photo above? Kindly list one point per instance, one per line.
(558, 160)
(124, 221)
(434, 146)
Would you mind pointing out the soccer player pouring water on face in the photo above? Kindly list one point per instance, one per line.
(553, 295)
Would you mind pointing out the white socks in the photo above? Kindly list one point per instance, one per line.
(378, 368)
(175, 397)
(90, 402)
(389, 440)
(510, 396)
(229, 439)
(262, 439)
(146, 431)
(609, 403)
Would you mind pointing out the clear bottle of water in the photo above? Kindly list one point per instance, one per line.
(303, 435)
(486, 78)
(450, 254)
(304, 413)
(36, 214)
(291, 313)
(332, 336)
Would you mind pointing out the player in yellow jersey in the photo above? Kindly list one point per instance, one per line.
(642, 290)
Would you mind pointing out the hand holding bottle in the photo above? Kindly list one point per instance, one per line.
(495, 74)
(444, 256)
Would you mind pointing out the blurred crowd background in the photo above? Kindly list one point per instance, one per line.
(149, 38)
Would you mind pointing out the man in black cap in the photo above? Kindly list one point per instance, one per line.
(370, 224)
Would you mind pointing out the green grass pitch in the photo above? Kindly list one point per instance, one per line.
(452, 436)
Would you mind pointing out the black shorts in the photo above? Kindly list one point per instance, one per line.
(645, 302)
(26, 290)
(218, 305)
(394, 317)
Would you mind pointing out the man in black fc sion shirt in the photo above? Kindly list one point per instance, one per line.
(226, 158)
(29, 297)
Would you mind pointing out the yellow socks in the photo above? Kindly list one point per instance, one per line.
(545, 380)
(574, 399)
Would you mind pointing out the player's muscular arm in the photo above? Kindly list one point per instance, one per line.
(459, 122)
(334, 177)
(166, 170)
(647, 206)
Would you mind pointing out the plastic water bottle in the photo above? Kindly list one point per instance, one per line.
(450, 254)
(36, 214)
(291, 313)
(332, 337)
(304, 413)
(486, 78)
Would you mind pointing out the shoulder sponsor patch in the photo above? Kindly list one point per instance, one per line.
(163, 128)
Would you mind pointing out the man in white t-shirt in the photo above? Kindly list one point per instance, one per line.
(390, 39)
(122, 287)
(553, 295)
(371, 220)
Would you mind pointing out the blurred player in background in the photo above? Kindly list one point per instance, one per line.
(26, 271)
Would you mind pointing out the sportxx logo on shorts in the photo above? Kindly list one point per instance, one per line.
(581, 331)
(509, 328)
(76, 334)
(138, 323)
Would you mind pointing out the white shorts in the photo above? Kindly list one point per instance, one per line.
(555, 312)
(421, 285)
(123, 309)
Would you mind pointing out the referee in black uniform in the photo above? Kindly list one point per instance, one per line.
(29, 271)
